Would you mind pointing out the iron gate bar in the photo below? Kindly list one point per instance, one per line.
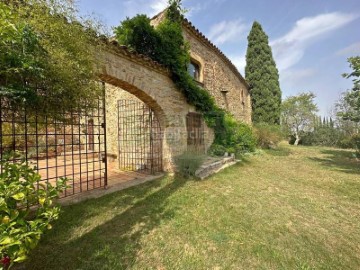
(56, 146)
(139, 138)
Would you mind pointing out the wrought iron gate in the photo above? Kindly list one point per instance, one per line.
(73, 147)
(139, 138)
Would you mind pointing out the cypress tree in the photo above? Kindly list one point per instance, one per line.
(263, 77)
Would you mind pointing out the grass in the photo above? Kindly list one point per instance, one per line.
(291, 208)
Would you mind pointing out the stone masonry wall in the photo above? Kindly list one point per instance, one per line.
(216, 76)
(122, 71)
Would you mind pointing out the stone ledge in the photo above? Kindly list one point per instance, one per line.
(214, 167)
(96, 193)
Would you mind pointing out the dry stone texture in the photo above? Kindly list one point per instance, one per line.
(128, 77)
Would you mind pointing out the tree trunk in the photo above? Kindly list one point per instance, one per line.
(297, 139)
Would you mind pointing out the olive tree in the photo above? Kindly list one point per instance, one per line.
(298, 114)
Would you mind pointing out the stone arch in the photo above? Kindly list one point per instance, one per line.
(151, 83)
(140, 94)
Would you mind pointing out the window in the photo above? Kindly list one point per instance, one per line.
(242, 100)
(194, 70)
(226, 103)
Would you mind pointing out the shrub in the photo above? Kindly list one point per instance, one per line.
(217, 150)
(21, 225)
(268, 136)
(188, 163)
(345, 142)
(236, 137)
(355, 139)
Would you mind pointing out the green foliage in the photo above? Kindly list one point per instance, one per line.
(352, 97)
(324, 133)
(139, 35)
(298, 115)
(46, 56)
(263, 77)
(268, 136)
(235, 136)
(355, 141)
(166, 45)
(188, 163)
(217, 150)
(21, 227)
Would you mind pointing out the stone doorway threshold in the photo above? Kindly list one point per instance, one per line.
(117, 180)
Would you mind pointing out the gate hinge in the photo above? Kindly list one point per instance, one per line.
(103, 125)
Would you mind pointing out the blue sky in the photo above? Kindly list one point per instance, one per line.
(311, 40)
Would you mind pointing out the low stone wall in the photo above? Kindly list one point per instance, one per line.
(214, 166)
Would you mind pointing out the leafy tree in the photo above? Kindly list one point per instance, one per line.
(263, 77)
(47, 58)
(352, 97)
(298, 114)
(343, 108)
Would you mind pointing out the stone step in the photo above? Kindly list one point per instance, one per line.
(214, 167)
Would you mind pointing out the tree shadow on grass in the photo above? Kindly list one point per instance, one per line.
(279, 151)
(339, 160)
(110, 244)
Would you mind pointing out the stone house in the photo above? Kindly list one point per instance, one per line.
(140, 125)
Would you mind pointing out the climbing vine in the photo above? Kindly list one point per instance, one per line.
(166, 45)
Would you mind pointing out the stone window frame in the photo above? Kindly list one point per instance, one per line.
(194, 58)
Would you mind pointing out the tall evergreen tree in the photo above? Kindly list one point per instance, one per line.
(263, 77)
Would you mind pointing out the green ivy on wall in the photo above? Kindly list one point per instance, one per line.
(166, 45)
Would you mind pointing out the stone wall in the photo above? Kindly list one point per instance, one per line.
(216, 76)
(131, 76)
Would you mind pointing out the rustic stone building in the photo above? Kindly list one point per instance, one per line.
(140, 125)
(215, 72)
(148, 120)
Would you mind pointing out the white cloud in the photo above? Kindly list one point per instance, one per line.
(294, 76)
(226, 31)
(199, 6)
(158, 5)
(240, 62)
(350, 50)
(290, 48)
(150, 8)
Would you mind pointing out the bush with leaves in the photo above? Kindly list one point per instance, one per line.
(26, 208)
(188, 163)
(236, 137)
(217, 150)
(268, 136)
(355, 141)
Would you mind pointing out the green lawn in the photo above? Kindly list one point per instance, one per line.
(292, 208)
